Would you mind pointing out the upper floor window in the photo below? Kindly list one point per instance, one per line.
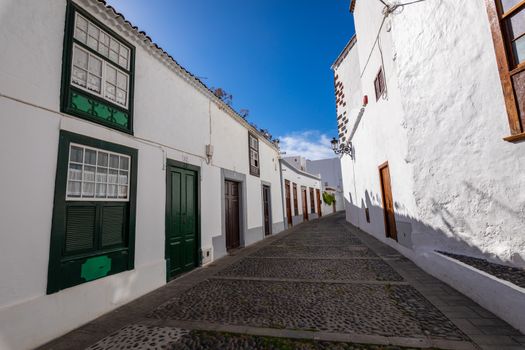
(97, 79)
(507, 20)
(379, 84)
(254, 155)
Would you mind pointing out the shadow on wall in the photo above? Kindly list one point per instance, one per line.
(420, 236)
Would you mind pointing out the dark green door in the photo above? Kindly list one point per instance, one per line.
(181, 221)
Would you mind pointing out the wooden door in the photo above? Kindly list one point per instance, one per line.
(181, 221)
(318, 195)
(388, 202)
(266, 211)
(305, 203)
(232, 207)
(288, 200)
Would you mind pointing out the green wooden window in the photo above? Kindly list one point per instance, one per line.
(93, 230)
(97, 72)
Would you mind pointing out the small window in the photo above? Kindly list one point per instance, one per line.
(379, 84)
(508, 33)
(254, 155)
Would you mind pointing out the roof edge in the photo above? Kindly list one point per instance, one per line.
(299, 171)
(349, 45)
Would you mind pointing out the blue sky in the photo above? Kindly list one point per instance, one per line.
(273, 56)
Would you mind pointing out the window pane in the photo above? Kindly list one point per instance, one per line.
(111, 74)
(80, 58)
(90, 157)
(95, 66)
(519, 49)
(92, 42)
(79, 77)
(81, 23)
(104, 38)
(121, 97)
(73, 189)
(93, 31)
(89, 173)
(124, 163)
(76, 154)
(122, 81)
(516, 24)
(113, 161)
(80, 36)
(75, 172)
(113, 56)
(508, 4)
(102, 175)
(101, 190)
(93, 83)
(123, 191)
(113, 176)
(102, 159)
(111, 92)
(123, 62)
(112, 191)
(123, 178)
(88, 189)
(104, 50)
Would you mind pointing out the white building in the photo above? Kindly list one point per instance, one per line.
(435, 166)
(301, 194)
(120, 170)
(332, 180)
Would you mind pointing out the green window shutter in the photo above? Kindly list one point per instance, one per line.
(113, 224)
(80, 228)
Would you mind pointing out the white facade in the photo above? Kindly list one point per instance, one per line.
(175, 117)
(457, 185)
(301, 181)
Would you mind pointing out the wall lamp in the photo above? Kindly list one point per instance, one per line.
(342, 148)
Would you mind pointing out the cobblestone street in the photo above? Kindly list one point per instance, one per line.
(321, 285)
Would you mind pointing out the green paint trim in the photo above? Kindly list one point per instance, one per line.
(67, 89)
(95, 268)
(197, 170)
(61, 265)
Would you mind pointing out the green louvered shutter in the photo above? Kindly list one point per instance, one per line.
(113, 224)
(80, 228)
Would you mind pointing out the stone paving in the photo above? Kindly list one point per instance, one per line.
(321, 285)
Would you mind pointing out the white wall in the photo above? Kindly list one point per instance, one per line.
(172, 119)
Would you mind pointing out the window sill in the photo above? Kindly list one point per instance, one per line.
(515, 138)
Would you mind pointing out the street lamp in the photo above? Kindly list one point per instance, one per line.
(341, 148)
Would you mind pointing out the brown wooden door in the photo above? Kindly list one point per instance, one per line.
(266, 210)
(388, 202)
(318, 195)
(231, 195)
(288, 202)
(295, 205)
(305, 203)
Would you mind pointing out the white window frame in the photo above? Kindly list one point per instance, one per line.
(95, 198)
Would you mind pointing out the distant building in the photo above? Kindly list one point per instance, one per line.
(430, 95)
(331, 177)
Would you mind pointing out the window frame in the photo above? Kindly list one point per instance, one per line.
(63, 265)
(379, 83)
(504, 61)
(255, 170)
(68, 89)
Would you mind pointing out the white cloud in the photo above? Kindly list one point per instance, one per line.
(310, 144)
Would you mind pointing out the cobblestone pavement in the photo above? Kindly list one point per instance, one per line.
(321, 285)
